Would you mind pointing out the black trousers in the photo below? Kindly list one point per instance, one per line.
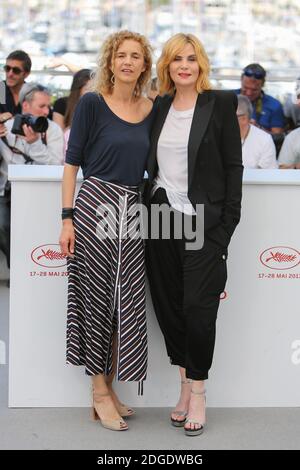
(185, 288)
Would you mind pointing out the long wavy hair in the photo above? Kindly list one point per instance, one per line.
(80, 79)
(101, 82)
(172, 48)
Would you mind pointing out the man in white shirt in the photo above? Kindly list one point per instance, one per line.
(31, 148)
(258, 148)
(289, 156)
(291, 107)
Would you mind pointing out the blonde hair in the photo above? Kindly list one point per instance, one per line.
(101, 82)
(171, 48)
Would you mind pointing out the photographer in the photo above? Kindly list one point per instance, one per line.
(22, 143)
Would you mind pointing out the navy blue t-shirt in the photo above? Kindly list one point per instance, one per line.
(105, 145)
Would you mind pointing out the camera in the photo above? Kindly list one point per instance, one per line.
(37, 123)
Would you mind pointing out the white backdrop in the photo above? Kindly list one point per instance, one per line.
(257, 355)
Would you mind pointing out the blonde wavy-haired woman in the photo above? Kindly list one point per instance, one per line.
(109, 140)
(195, 158)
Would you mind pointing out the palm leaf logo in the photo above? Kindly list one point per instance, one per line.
(281, 257)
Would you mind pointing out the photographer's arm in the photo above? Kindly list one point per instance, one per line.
(58, 61)
(5, 117)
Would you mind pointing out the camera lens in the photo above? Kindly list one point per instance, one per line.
(38, 124)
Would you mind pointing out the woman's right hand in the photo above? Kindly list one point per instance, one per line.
(67, 238)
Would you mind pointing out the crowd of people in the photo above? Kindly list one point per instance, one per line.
(267, 113)
(270, 131)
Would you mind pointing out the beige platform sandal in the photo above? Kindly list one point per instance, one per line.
(124, 410)
(112, 424)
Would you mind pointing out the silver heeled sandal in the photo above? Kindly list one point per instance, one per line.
(199, 430)
(180, 423)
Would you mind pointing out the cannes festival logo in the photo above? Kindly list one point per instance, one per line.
(48, 256)
(280, 257)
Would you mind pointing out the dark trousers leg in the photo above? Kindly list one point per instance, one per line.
(205, 275)
(185, 288)
(5, 227)
(164, 269)
(164, 272)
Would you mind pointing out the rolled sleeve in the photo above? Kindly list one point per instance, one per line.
(80, 129)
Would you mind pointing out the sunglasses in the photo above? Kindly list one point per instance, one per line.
(15, 70)
(253, 73)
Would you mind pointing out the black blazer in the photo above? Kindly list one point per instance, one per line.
(215, 166)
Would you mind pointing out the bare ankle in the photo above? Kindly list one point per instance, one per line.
(100, 395)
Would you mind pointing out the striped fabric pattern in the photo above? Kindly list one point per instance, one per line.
(106, 284)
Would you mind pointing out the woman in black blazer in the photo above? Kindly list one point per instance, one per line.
(195, 158)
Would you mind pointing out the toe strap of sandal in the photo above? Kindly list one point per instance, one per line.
(180, 413)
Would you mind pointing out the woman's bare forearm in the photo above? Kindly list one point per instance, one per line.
(68, 187)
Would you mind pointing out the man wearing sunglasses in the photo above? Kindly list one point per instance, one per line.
(17, 69)
(267, 111)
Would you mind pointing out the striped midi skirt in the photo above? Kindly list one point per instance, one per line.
(106, 283)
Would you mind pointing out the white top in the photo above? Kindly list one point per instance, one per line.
(259, 149)
(290, 150)
(50, 154)
(172, 159)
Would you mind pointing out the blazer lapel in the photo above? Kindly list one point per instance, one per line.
(163, 110)
(202, 115)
